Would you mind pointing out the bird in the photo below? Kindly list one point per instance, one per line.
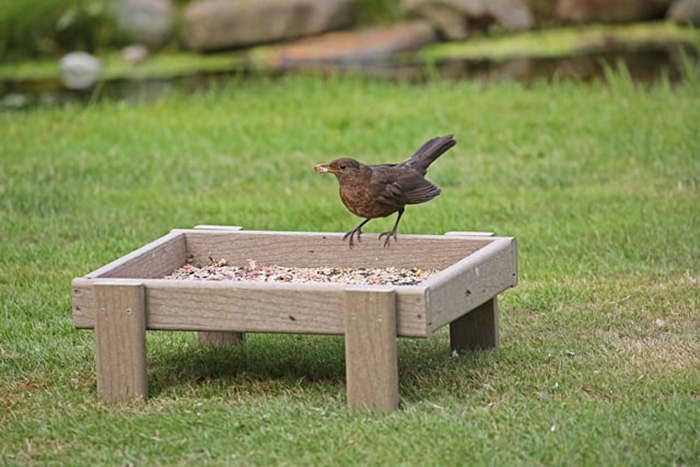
(373, 191)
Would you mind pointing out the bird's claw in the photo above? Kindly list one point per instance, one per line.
(352, 234)
(387, 240)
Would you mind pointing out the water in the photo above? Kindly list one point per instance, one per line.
(646, 66)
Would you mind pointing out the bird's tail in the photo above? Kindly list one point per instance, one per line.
(430, 151)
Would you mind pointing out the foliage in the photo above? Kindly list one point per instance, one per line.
(378, 11)
(35, 28)
(569, 40)
(600, 340)
(163, 65)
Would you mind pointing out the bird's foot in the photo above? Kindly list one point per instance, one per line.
(389, 234)
(354, 232)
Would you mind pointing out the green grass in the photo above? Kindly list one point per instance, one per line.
(569, 40)
(164, 65)
(600, 184)
(378, 11)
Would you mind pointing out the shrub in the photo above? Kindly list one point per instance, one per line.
(32, 28)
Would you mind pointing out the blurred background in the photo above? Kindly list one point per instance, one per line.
(577, 123)
(58, 51)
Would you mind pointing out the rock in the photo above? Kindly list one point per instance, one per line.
(220, 24)
(79, 70)
(147, 21)
(14, 101)
(135, 54)
(354, 46)
(581, 11)
(455, 18)
(685, 12)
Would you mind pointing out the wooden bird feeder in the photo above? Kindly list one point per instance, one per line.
(126, 298)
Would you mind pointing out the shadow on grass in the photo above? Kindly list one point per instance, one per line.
(271, 364)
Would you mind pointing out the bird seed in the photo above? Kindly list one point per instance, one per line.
(255, 271)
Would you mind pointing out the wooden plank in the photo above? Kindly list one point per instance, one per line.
(469, 234)
(370, 349)
(154, 260)
(120, 337)
(220, 339)
(84, 303)
(218, 227)
(478, 329)
(253, 307)
(302, 249)
(260, 307)
(471, 282)
(244, 307)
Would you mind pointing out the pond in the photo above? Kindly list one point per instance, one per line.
(644, 66)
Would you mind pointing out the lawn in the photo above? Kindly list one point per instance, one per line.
(600, 357)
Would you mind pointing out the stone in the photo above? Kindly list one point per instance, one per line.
(685, 12)
(354, 46)
(222, 24)
(135, 54)
(582, 11)
(455, 18)
(79, 70)
(146, 21)
(15, 101)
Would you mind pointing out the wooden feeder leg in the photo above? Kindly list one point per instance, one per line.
(478, 329)
(220, 338)
(371, 364)
(120, 336)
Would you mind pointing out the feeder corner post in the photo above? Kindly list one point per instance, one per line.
(220, 338)
(478, 329)
(371, 360)
(120, 340)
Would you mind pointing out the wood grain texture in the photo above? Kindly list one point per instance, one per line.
(154, 260)
(220, 339)
(252, 307)
(302, 249)
(218, 227)
(458, 233)
(471, 282)
(84, 303)
(478, 329)
(120, 341)
(370, 349)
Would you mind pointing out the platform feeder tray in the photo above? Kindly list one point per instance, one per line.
(126, 298)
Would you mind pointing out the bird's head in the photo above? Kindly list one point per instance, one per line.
(343, 168)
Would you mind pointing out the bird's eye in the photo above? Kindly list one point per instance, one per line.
(343, 166)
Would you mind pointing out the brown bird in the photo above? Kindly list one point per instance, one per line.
(372, 191)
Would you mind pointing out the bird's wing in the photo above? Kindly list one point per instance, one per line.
(404, 187)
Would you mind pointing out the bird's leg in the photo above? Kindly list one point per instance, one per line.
(392, 232)
(357, 230)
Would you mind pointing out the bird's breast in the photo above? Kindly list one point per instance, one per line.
(359, 201)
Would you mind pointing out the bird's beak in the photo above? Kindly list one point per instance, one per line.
(323, 168)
